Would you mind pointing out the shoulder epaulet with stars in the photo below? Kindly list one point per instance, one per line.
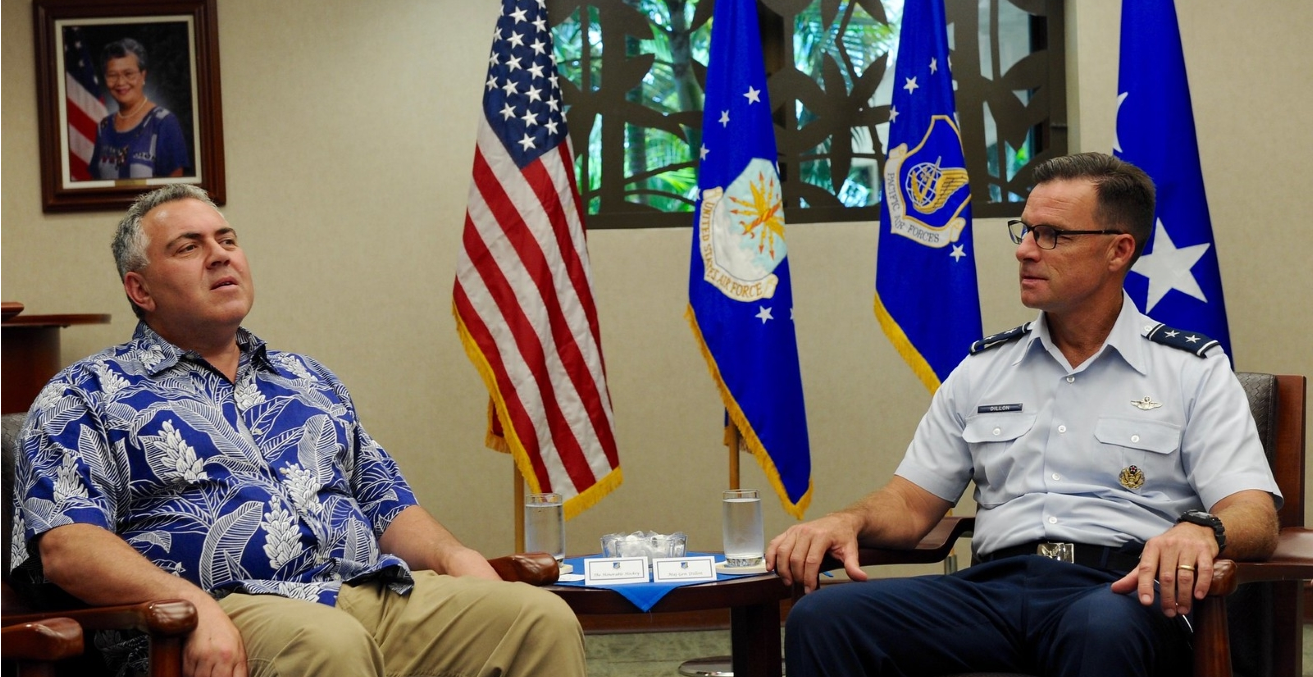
(1189, 341)
(1000, 338)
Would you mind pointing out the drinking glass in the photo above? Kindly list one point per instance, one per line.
(745, 541)
(544, 524)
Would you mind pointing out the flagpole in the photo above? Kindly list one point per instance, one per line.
(732, 439)
(518, 509)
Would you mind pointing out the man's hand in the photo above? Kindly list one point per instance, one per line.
(214, 648)
(796, 554)
(1181, 560)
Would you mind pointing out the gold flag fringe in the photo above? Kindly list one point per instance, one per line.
(510, 441)
(749, 436)
(905, 348)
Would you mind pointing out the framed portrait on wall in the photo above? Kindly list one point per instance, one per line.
(127, 100)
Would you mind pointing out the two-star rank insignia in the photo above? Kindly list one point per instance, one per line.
(1189, 341)
(1131, 477)
(1146, 403)
(999, 338)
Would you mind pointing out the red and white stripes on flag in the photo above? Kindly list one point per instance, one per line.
(524, 309)
(83, 104)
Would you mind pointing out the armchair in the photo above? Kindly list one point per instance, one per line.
(165, 622)
(1266, 638)
(35, 646)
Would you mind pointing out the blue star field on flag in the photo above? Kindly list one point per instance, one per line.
(740, 294)
(522, 96)
(1177, 280)
(926, 297)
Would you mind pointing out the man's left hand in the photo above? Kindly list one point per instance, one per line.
(1180, 560)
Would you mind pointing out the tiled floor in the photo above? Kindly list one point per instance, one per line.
(659, 654)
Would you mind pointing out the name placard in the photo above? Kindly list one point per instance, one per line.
(684, 569)
(615, 570)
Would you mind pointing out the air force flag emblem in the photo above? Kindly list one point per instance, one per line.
(925, 198)
(741, 233)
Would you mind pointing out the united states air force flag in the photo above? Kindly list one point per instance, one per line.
(740, 299)
(1176, 281)
(926, 297)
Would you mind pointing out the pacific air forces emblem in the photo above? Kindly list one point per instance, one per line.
(925, 198)
(741, 233)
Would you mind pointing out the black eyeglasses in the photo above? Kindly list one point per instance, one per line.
(1046, 237)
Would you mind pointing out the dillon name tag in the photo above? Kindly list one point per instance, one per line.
(996, 408)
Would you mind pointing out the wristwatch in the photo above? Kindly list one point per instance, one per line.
(1206, 519)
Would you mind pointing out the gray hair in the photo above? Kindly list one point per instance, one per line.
(121, 48)
(130, 241)
(1124, 193)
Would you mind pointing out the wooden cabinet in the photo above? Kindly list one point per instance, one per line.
(30, 354)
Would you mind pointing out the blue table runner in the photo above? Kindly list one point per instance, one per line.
(646, 595)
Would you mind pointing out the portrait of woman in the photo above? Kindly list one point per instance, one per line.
(141, 139)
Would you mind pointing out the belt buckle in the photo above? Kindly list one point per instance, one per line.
(1062, 552)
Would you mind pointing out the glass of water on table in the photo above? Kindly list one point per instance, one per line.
(544, 524)
(741, 526)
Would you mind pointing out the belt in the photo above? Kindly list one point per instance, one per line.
(1121, 559)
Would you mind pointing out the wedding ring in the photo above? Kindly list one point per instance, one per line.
(1187, 567)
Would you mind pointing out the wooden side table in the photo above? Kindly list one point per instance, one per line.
(753, 601)
(29, 355)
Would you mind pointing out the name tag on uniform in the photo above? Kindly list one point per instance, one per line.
(996, 408)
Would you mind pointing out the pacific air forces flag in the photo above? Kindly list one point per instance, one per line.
(523, 297)
(926, 297)
(1177, 280)
(740, 298)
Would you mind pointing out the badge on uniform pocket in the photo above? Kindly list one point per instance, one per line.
(1131, 477)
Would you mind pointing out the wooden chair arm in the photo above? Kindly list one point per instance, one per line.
(160, 618)
(933, 548)
(534, 568)
(51, 639)
(1291, 561)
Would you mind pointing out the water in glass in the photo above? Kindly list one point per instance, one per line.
(742, 528)
(544, 525)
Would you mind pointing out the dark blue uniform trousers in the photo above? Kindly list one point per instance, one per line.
(1026, 614)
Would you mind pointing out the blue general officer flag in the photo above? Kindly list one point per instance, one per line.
(1176, 281)
(740, 299)
(926, 297)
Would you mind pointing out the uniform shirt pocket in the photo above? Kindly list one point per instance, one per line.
(1144, 453)
(986, 428)
(1151, 436)
(990, 436)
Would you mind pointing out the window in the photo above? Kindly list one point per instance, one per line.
(632, 73)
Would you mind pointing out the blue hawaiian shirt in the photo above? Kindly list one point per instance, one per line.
(265, 485)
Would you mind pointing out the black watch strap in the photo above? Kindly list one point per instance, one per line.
(1206, 519)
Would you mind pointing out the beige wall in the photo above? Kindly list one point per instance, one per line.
(349, 129)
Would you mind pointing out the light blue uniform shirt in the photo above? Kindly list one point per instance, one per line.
(1056, 452)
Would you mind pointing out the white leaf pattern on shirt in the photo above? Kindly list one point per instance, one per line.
(68, 484)
(180, 457)
(301, 486)
(281, 537)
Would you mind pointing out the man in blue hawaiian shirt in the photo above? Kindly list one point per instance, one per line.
(194, 462)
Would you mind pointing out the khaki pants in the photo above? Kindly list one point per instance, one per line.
(446, 626)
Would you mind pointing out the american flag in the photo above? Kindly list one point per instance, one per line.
(523, 297)
(85, 106)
